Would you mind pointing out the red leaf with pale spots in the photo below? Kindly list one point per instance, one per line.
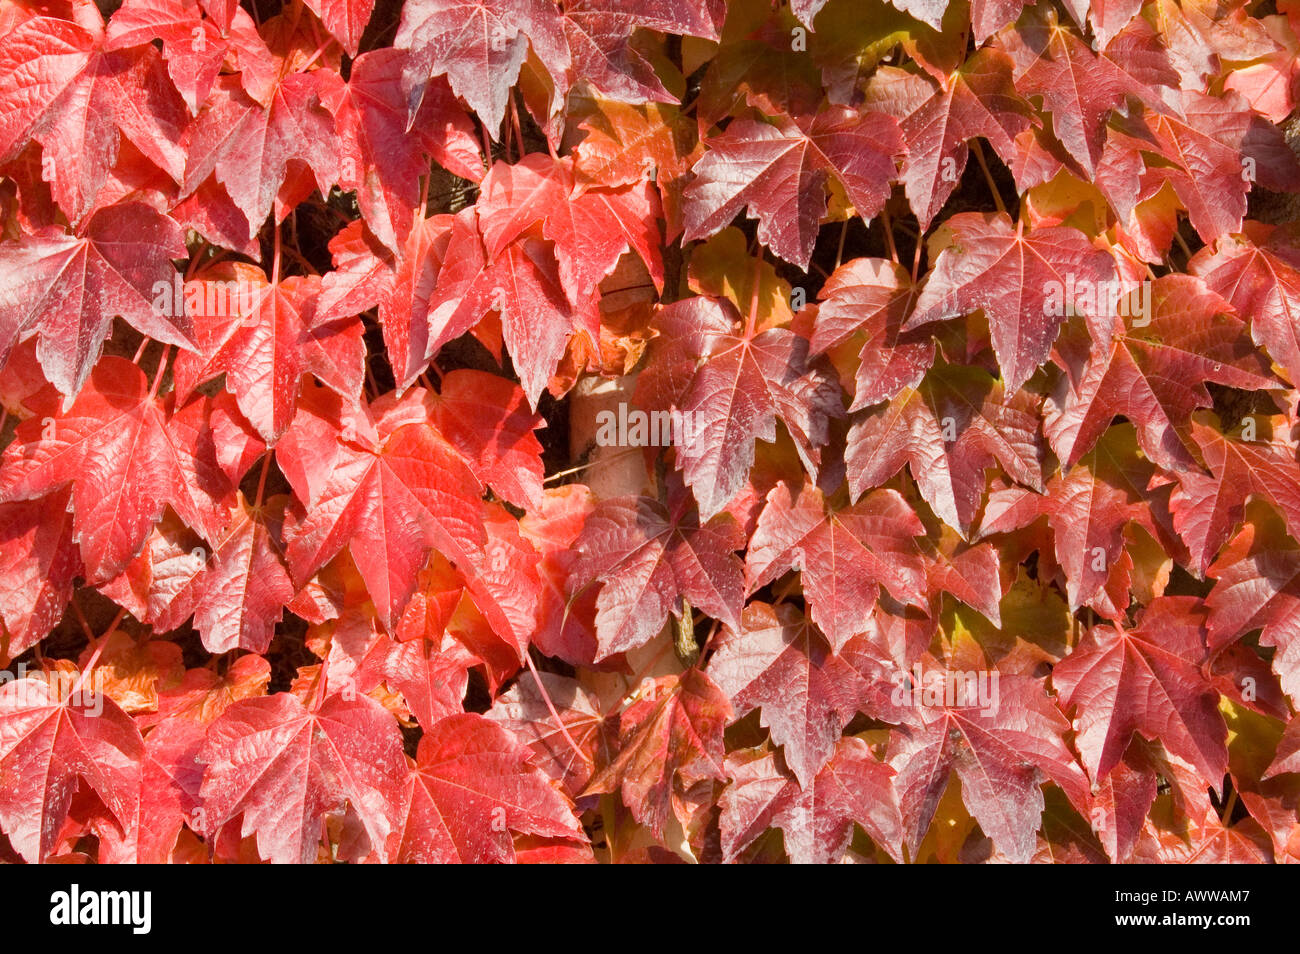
(778, 662)
(817, 817)
(281, 767)
(471, 786)
(265, 339)
(47, 744)
(668, 741)
(480, 46)
(957, 425)
(1010, 274)
(67, 288)
(779, 173)
(731, 383)
(845, 555)
(1145, 679)
(1001, 753)
(126, 458)
(647, 559)
(40, 561)
(1154, 373)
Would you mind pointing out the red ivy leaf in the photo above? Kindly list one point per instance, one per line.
(1010, 274)
(1145, 679)
(471, 786)
(47, 743)
(281, 767)
(817, 817)
(647, 559)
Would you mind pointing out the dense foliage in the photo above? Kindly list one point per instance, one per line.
(649, 430)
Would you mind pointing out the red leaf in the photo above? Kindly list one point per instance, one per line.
(381, 158)
(282, 767)
(817, 817)
(68, 288)
(845, 555)
(1088, 508)
(1001, 758)
(345, 19)
(47, 743)
(1146, 679)
(591, 229)
(523, 284)
(193, 48)
(480, 46)
(1257, 586)
(250, 147)
(1262, 282)
(950, 431)
(1010, 275)
(598, 33)
(977, 100)
(432, 681)
(389, 493)
(472, 785)
(648, 559)
(266, 342)
(730, 387)
(777, 661)
(125, 459)
(170, 778)
(667, 742)
(1207, 508)
(237, 594)
(1078, 87)
(40, 562)
(1154, 373)
(486, 418)
(41, 59)
(524, 711)
(873, 297)
(779, 172)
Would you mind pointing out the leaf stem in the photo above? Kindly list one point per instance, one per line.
(99, 651)
(158, 374)
(1228, 807)
(195, 259)
(888, 226)
(550, 707)
(275, 257)
(487, 145)
(81, 618)
(514, 123)
(839, 249)
(591, 463)
(753, 296)
(988, 176)
(261, 480)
